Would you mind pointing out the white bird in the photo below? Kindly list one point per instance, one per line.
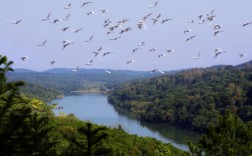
(75, 69)
(153, 5)
(16, 21)
(217, 27)
(153, 49)
(43, 43)
(161, 55)
(130, 61)
(67, 42)
(109, 72)
(96, 53)
(89, 63)
(217, 32)
(188, 30)
(106, 53)
(52, 62)
(170, 50)
(166, 20)
(85, 3)
(190, 21)
(24, 58)
(156, 70)
(246, 24)
(197, 57)
(65, 28)
(76, 30)
(68, 6)
(47, 17)
(104, 11)
(141, 44)
(134, 50)
(242, 55)
(57, 20)
(188, 39)
(67, 17)
(90, 13)
(116, 38)
(218, 51)
(90, 39)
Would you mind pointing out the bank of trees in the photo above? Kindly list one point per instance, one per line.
(191, 99)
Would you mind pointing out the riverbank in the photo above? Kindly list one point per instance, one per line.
(95, 107)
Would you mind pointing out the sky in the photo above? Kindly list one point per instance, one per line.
(18, 40)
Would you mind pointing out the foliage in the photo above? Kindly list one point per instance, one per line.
(231, 137)
(22, 130)
(191, 99)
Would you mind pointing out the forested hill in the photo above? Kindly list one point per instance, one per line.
(191, 99)
(64, 80)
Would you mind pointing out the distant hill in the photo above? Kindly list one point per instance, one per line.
(20, 70)
(191, 98)
(64, 80)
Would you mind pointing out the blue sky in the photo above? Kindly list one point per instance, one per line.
(18, 40)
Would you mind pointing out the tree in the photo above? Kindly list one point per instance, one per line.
(231, 137)
(93, 143)
(22, 131)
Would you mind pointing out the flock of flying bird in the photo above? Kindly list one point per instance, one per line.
(118, 28)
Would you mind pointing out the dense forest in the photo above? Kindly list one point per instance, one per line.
(191, 99)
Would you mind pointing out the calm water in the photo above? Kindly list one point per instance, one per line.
(96, 108)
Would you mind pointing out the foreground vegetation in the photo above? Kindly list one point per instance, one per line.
(191, 99)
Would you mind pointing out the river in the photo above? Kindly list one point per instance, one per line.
(96, 108)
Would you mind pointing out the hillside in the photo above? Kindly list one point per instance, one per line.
(38, 92)
(191, 99)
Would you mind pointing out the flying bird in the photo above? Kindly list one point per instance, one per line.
(246, 24)
(141, 44)
(153, 5)
(16, 21)
(242, 55)
(217, 32)
(47, 17)
(104, 11)
(24, 58)
(156, 70)
(90, 13)
(75, 69)
(170, 50)
(153, 49)
(89, 63)
(197, 57)
(116, 38)
(85, 3)
(187, 31)
(65, 28)
(90, 38)
(52, 62)
(218, 51)
(190, 38)
(43, 43)
(161, 55)
(106, 53)
(76, 30)
(68, 6)
(130, 61)
(109, 72)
